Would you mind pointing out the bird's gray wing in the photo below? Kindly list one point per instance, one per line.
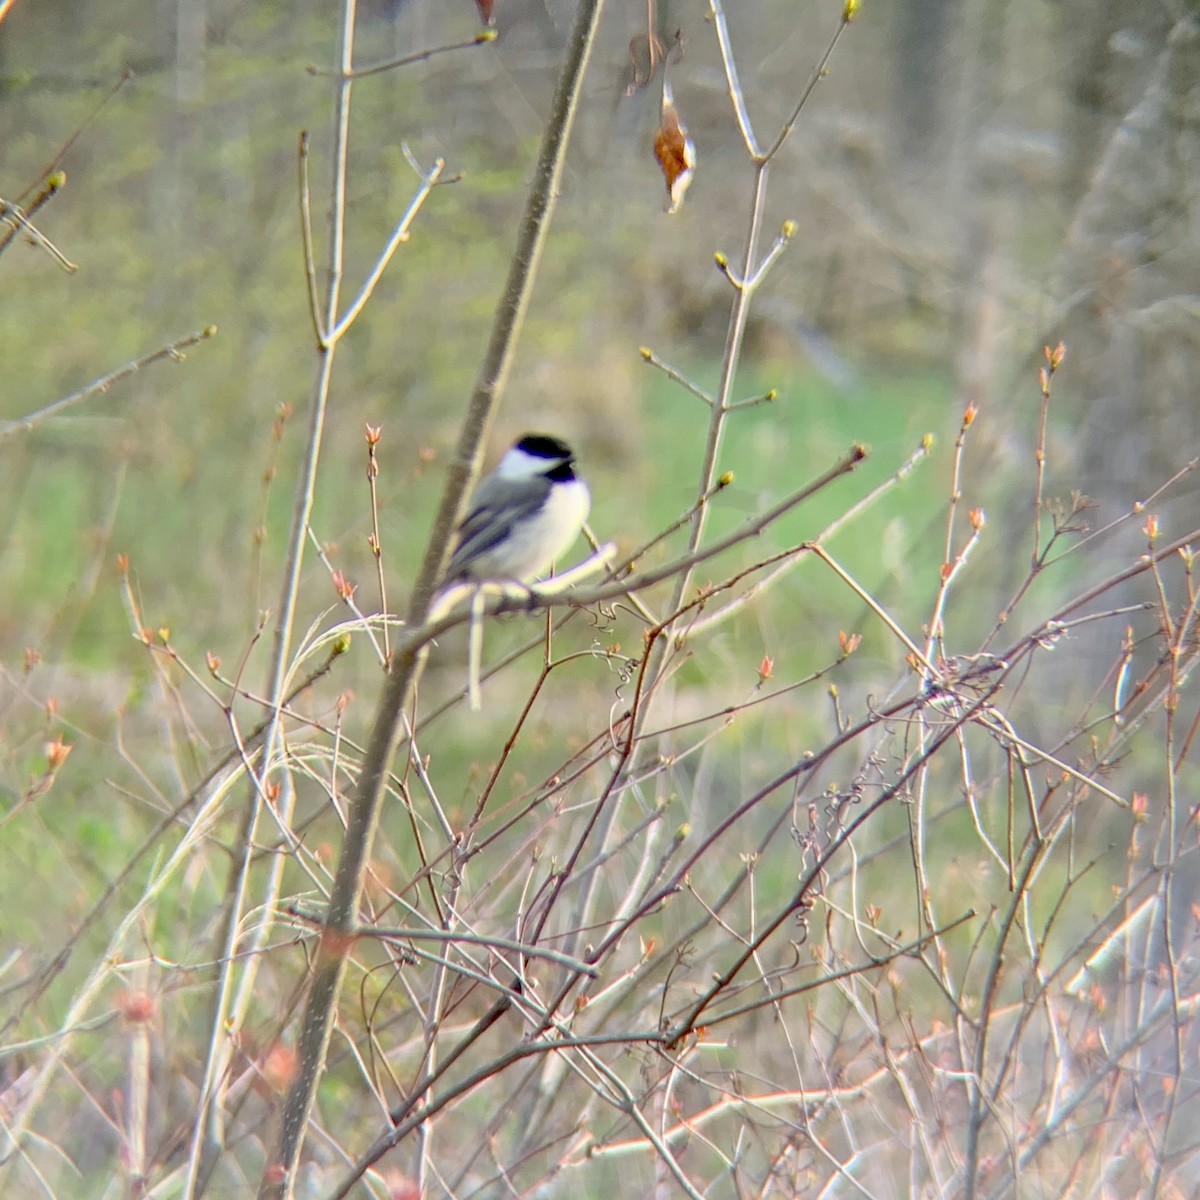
(495, 507)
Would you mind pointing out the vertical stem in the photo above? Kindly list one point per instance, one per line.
(336, 937)
(510, 314)
(208, 1135)
(734, 336)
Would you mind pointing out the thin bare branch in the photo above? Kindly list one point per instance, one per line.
(406, 60)
(429, 180)
(173, 352)
(306, 235)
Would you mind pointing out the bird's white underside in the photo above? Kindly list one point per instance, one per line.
(540, 540)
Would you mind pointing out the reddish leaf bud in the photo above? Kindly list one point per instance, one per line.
(56, 753)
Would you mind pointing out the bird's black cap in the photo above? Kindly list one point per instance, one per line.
(543, 445)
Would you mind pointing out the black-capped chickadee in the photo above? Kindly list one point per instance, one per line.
(523, 515)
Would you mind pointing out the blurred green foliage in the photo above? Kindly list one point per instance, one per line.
(184, 213)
